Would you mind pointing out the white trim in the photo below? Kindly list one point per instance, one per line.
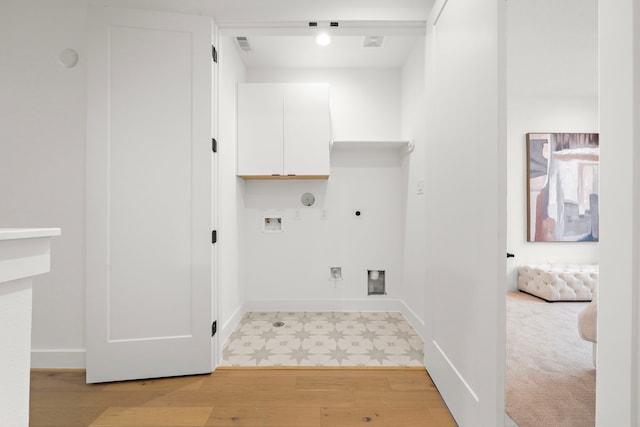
(373, 304)
(228, 327)
(416, 323)
(352, 28)
(437, 11)
(58, 359)
(28, 233)
(455, 370)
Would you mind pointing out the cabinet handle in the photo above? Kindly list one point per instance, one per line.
(275, 174)
(291, 174)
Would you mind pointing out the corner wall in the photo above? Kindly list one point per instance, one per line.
(413, 99)
(466, 215)
(231, 293)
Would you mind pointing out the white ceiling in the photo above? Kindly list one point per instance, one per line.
(280, 36)
(344, 51)
(279, 33)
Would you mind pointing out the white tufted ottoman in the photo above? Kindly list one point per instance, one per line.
(559, 282)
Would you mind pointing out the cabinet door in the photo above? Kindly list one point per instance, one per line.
(306, 129)
(260, 130)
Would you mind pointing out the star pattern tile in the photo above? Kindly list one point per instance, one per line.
(323, 339)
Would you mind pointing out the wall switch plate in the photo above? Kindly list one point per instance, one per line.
(420, 187)
(335, 273)
(324, 215)
(297, 215)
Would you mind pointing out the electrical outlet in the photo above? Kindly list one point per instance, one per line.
(335, 273)
(420, 187)
(297, 215)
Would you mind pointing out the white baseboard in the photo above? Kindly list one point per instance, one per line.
(58, 359)
(413, 319)
(325, 305)
(229, 326)
(75, 359)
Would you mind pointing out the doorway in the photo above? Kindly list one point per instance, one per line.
(549, 90)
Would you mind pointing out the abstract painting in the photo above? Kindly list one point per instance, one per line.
(562, 187)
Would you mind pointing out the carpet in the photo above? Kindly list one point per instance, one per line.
(550, 378)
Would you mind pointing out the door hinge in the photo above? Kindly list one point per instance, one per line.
(214, 327)
(214, 145)
(214, 236)
(214, 54)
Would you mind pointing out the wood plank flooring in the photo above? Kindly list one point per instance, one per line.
(285, 397)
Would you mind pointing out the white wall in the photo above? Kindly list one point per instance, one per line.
(617, 383)
(413, 98)
(230, 192)
(466, 208)
(551, 87)
(42, 160)
(290, 270)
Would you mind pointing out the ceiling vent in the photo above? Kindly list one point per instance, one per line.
(373, 41)
(243, 44)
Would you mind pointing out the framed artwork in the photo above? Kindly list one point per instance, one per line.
(562, 187)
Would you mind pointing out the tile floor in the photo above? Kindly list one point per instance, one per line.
(323, 339)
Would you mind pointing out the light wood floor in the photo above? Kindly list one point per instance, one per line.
(302, 397)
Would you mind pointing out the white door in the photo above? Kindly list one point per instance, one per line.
(306, 129)
(149, 195)
(466, 208)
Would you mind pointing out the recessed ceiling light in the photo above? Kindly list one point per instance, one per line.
(323, 39)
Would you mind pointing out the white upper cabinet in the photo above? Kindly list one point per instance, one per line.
(260, 129)
(283, 131)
